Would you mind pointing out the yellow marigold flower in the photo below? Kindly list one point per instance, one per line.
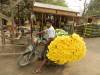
(66, 49)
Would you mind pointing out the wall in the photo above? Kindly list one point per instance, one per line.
(97, 21)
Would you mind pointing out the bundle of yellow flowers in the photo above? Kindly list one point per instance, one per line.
(66, 49)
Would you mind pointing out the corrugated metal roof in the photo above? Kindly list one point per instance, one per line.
(50, 6)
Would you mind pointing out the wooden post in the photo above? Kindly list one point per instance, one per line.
(18, 18)
(31, 27)
(2, 33)
(31, 10)
(55, 21)
(45, 19)
(60, 22)
(12, 19)
(1, 26)
(42, 17)
(73, 26)
(42, 20)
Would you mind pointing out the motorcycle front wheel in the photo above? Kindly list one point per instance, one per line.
(24, 59)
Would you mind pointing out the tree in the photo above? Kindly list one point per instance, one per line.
(94, 8)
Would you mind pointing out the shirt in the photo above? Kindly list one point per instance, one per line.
(50, 32)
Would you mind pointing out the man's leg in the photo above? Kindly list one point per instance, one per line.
(39, 68)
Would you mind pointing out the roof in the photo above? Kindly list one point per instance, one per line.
(95, 16)
(55, 7)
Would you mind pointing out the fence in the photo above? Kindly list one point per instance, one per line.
(92, 30)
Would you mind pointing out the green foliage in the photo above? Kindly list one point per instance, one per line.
(94, 8)
(24, 8)
(60, 32)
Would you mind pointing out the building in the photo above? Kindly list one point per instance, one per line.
(61, 15)
(94, 19)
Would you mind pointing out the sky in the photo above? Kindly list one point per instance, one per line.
(77, 5)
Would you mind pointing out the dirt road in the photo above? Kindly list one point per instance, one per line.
(90, 65)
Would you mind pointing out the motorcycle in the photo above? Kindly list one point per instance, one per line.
(31, 54)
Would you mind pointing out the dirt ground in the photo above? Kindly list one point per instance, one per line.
(90, 65)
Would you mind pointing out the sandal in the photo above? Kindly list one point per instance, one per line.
(36, 71)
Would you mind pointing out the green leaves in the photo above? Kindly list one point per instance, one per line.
(94, 8)
(60, 32)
